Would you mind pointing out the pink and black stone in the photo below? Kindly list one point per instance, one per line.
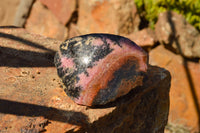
(98, 68)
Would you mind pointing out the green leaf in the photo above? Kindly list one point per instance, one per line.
(188, 8)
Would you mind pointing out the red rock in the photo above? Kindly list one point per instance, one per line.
(35, 98)
(62, 9)
(144, 38)
(182, 105)
(116, 17)
(173, 30)
(42, 21)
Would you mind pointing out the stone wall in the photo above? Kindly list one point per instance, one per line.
(174, 44)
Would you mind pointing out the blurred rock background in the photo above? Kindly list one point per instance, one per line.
(171, 41)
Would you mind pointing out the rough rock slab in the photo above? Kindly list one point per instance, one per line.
(32, 100)
(103, 16)
(42, 21)
(185, 89)
(173, 30)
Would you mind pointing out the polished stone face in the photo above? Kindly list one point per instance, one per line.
(98, 68)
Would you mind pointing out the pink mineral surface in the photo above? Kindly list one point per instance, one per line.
(99, 68)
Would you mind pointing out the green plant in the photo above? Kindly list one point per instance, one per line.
(150, 9)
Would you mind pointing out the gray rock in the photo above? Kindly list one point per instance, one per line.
(177, 34)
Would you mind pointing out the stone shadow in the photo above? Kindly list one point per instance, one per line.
(185, 64)
(32, 110)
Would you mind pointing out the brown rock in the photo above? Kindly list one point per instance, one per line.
(135, 18)
(31, 99)
(42, 21)
(143, 38)
(8, 9)
(62, 9)
(103, 16)
(173, 30)
(185, 89)
(22, 13)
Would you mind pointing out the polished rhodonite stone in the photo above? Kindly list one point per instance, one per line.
(98, 68)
